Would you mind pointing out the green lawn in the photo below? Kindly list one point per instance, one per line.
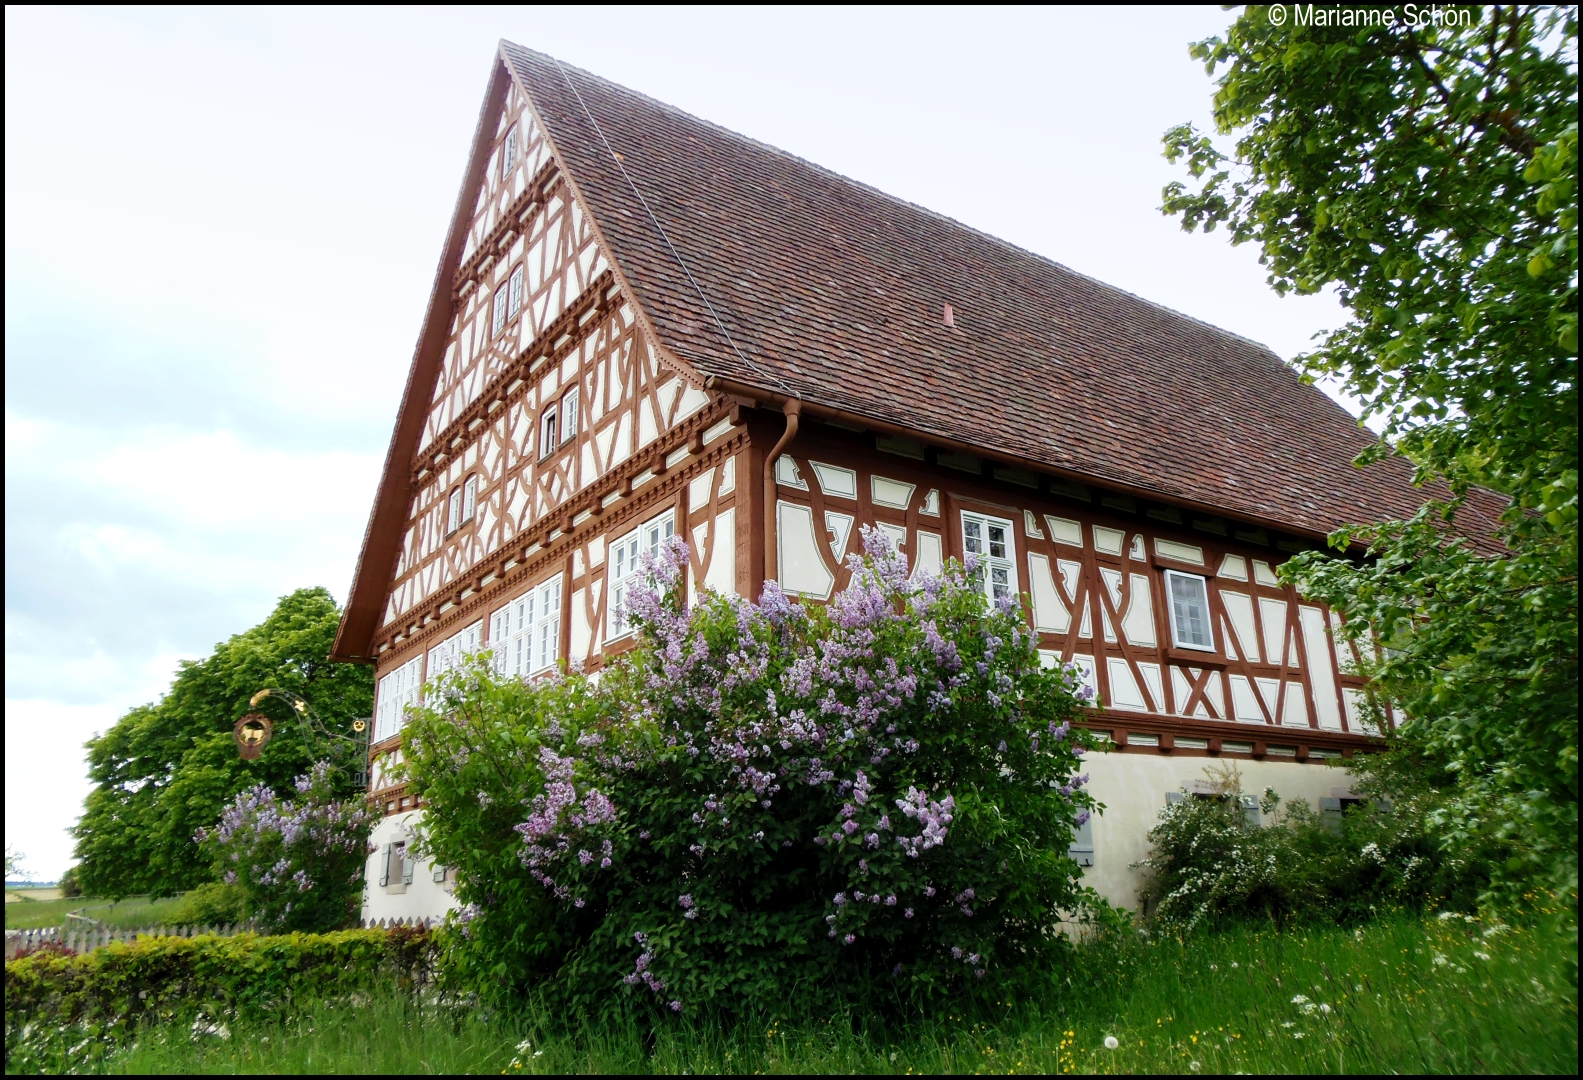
(1402, 995)
(132, 913)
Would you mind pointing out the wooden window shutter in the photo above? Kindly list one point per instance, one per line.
(1082, 846)
(408, 866)
(1330, 812)
(1174, 797)
(439, 872)
(384, 866)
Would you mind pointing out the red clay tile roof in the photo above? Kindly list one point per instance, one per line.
(835, 290)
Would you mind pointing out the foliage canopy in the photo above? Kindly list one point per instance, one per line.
(1428, 173)
(166, 770)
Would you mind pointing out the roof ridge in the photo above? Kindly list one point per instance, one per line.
(887, 196)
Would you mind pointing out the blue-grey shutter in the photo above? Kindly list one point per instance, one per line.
(1250, 810)
(1082, 846)
(1174, 797)
(439, 872)
(384, 866)
(1330, 812)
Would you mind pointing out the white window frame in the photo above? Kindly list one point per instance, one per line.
(624, 562)
(569, 414)
(508, 152)
(498, 323)
(469, 498)
(453, 510)
(999, 571)
(397, 691)
(549, 430)
(450, 652)
(1170, 603)
(514, 293)
(525, 635)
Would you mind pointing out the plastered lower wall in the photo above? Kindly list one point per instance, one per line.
(1133, 788)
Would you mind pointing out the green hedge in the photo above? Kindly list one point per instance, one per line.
(109, 991)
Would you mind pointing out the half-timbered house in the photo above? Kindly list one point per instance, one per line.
(644, 325)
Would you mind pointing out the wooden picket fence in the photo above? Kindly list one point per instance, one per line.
(81, 939)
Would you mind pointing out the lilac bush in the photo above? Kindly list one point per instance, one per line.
(765, 798)
(297, 861)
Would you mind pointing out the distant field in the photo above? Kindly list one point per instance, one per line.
(130, 914)
(15, 895)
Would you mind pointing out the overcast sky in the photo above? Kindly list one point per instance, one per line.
(221, 229)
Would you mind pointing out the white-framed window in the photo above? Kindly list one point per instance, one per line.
(397, 690)
(525, 635)
(499, 322)
(469, 498)
(549, 430)
(1190, 624)
(989, 541)
(449, 653)
(569, 415)
(453, 511)
(508, 153)
(514, 293)
(626, 562)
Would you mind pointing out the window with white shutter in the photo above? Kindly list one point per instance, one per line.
(989, 541)
(397, 691)
(626, 563)
(525, 635)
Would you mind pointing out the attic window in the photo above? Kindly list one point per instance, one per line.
(508, 153)
(549, 429)
(499, 322)
(1190, 627)
(568, 414)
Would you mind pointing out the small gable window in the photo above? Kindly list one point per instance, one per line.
(569, 414)
(499, 320)
(508, 153)
(549, 431)
(1190, 628)
(463, 501)
(988, 541)
(514, 294)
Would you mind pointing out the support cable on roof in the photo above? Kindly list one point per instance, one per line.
(664, 236)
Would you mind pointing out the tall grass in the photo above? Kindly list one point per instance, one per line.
(1401, 995)
(130, 913)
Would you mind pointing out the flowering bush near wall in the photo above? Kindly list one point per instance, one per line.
(765, 801)
(297, 862)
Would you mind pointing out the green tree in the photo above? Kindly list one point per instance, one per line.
(168, 769)
(1427, 172)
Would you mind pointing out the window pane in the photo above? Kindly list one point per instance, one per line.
(997, 541)
(514, 304)
(973, 531)
(500, 309)
(1190, 611)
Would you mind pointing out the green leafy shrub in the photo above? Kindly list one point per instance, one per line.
(1211, 863)
(213, 904)
(57, 1001)
(297, 864)
(764, 800)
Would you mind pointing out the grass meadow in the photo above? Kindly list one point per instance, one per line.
(132, 913)
(1400, 995)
